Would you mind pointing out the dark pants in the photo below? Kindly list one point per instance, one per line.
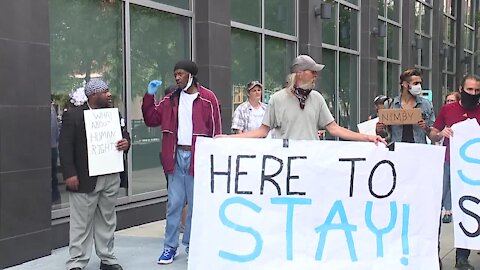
(55, 192)
(462, 253)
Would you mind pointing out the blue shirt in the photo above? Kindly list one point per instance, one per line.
(419, 134)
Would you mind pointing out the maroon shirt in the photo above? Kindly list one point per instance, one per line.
(451, 114)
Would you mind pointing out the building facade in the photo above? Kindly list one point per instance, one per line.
(49, 48)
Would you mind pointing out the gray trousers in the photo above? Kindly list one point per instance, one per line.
(93, 219)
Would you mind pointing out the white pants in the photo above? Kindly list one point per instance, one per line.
(93, 219)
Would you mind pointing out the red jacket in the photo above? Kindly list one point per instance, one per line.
(205, 117)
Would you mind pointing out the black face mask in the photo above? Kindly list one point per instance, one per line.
(469, 102)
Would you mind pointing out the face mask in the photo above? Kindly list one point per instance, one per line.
(415, 90)
(189, 83)
(469, 102)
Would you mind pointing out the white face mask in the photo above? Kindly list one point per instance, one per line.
(415, 89)
(189, 83)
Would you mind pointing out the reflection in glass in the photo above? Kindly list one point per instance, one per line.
(381, 43)
(153, 56)
(85, 42)
(246, 11)
(355, 2)
(470, 12)
(185, 4)
(425, 79)
(381, 8)
(245, 63)
(279, 55)
(347, 91)
(393, 10)
(381, 77)
(425, 52)
(329, 28)
(393, 42)
(449, 7)
(393, 79)
(450, 58)
(450, 30)
(348, 27)
(468, 35)
(327, 82)
(280, 16)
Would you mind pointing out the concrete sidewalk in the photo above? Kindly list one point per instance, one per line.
(139, 247)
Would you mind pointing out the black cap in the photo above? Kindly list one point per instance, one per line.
(188, 66)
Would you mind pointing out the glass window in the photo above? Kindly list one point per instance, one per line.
(279, 55)
(355, 2)
(449, 30)
(393, 10)
(348, 27)
(470, 12)
(425, 79)
(468, 34)
(280, 16)
(176, 3)
(347, 91)
(327, 80)
(153, 56)
(393, 41)
(245, 63)
(422, 18)
(381, 44)
(425, 52)
(450, 55)
(393, 80)
(449, 7)
(381, 77)
(381, 8)
(329, 27)
(247, 12)
(76, 59)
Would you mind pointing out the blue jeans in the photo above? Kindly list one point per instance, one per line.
(447, 195)
(180, 191)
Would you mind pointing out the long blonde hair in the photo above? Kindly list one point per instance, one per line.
(291, 81)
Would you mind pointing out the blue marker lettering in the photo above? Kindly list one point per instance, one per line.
(380, 232)
(258, 238)
(290, 202)
(463, 155)
(343, 225)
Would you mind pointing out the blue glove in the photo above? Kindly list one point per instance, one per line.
(153, 87)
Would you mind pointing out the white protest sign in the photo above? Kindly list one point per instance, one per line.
(315, 205)
(103, 131)
(465, 183)
(368, 127)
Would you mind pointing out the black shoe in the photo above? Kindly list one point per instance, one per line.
(463, 264)
(76, 268)
(447, 218)
(110, 267)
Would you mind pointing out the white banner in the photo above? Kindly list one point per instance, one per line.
(103, 131)
(315, 205)
(465, 183)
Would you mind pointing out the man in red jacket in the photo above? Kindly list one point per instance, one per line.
(190, 111)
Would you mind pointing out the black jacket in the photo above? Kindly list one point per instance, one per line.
(73, 150)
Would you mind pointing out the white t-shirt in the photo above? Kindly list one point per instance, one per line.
(185, 124)
(256, 118)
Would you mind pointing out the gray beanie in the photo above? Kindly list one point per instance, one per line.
(95, 86)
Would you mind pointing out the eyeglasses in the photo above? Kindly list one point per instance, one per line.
(451, 100)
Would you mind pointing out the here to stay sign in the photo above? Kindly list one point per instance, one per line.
(259, 204)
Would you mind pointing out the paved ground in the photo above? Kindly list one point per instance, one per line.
(138, 249)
